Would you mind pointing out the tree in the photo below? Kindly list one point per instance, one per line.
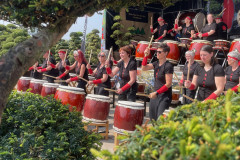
(93, 43)
(52, 19)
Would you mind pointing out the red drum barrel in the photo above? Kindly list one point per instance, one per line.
(72, 96)
(96, 108)
(142, 45)
(197, 45)
(141, 86)
(175, 96)
(23, 83)
(235, 45)
(112, 82)
(221, 44)
(174, 53)
(49, 88)
(36, 85)
(127, 115)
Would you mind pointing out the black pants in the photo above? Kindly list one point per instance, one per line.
(129, 95)
(101, 91)
(50, 80)
(82, 84)
(189, 93)
(159, 104)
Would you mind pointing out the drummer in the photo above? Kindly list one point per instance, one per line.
(33, 71)
(208, 32)
(221, 29)
(209, 78)
(161, 29)
(233, 71)
(187, 29)
(163, 72)
(127, 69)
(80, 68)
(100, 73)
(46, 67)
(193, 66)
(63, 73)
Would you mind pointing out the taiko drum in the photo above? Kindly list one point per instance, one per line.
(141, 86)
(174, 53)
(72, 96)
(186, 41)
(36, 86)
(221, 44)
(197, 45)
(142, 45)
(23, 83)
(49, 88)
(235, 45)
(96, 108)
(127, 115)
(175, 96)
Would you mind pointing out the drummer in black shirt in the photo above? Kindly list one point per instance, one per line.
(127, 69)
(187, 29)
(233, 71)
(100, 73)
(163, 72)
(161, 30)
(193, 66)
(221, 29)
(208, 32)
(46, 67)
(33, 71)
(209, 78)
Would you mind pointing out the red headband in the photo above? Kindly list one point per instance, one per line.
(233, 58)
(61, 51)
(160, 19)
(189, 19)
(219, 18)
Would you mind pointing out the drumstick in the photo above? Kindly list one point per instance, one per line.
(83, 79)
(150, 41)
(176, 76)
(57, 81)
(188, 97)
(111, 90)
(197, 29)
(221, 12)
(49, 55)
(90, 57)
(189, 65)
(178, 15)
(109, 54)
(141, 94)
(49, 76)
(91, 88)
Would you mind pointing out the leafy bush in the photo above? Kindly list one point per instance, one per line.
(34, 127)
(201, 130)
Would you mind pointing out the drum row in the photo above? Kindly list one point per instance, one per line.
(174, 54)
(95, 107)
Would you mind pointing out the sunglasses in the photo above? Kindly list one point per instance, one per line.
(159, 52)
(101, 55)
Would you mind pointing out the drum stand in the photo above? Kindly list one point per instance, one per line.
(218, 53)
(97, 125)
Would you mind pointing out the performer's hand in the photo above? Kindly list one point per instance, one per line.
(156, 40)
(90, 82)
(187, 83)
(200, 35)
(112, 59)
(58, 78)
(39, 70)
(153, 95)
(88, 66)
(147, 52)
(151, 27)
(119, 91)
(107, 63)
(68, 80)
(180, 84)
(176, 21)
(48, 62)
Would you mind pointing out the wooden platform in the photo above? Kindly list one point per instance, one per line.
(97, 125)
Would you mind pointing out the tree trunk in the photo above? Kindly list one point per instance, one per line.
(18, 59)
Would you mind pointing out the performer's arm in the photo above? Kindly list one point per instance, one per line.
(70, 67)
(191, 85)
(133, 75)
(220, 83)
(146, 66)
(98, 81)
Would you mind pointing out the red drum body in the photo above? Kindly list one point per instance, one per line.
(23, 83)
(197, 45)
(72, 96)
(221, 44)
(175, 96)
(127, 115)
(141, 86)
(96, 108)
(36, 86)
(235, 45)
(48, 89)
(142, 45)
(174, 53)
(112, 82)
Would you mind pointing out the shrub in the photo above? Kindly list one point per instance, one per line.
(34, 127)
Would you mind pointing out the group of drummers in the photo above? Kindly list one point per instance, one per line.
(209, 78)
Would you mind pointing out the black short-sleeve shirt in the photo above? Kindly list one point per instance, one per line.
(193, 67)
(52, 72)
(232, 77)
(207, 28)
(161, 29)
(62, 69)
(221, 31)
(206, 80)
(186, 31)
(124, 72)
(78, 68)
(99, 74)
(160, 73)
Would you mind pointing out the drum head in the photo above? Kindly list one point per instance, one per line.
(38, 81)
(170, 41)
(72, 74)
(202, 41)
(235, 40)
(95, 96)
(55, 85)
(129, 104)
(143, 42)
(183, 15)
(221, 40)
(176, 91)
(26, 78)
(199, 21)
(71, 88)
